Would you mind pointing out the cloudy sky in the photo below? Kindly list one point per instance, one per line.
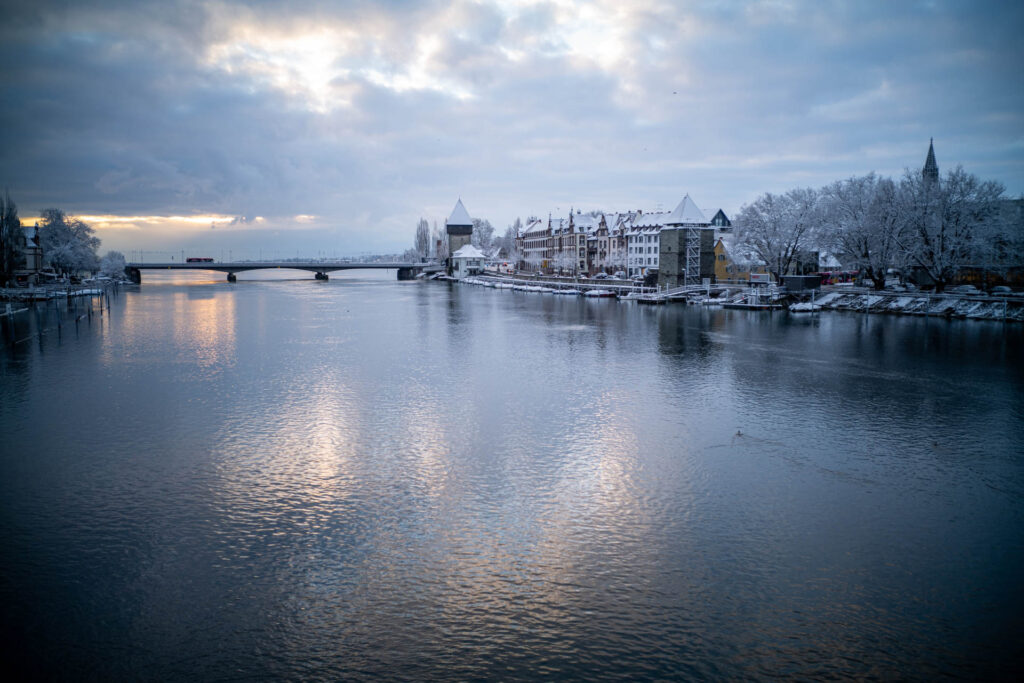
(331, 127)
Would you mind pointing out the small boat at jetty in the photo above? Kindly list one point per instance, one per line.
(600, 293)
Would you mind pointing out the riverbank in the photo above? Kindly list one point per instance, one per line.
(57, 291)
(920, 304)
(946, 305)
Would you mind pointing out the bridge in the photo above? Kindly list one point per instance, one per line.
(406, 271)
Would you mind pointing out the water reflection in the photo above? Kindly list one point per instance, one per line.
(364, 478)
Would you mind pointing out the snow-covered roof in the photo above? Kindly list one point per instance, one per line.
(649, 221)
(535, 227)
(468, 251)
(740, 255)
(687, 213)
(459, 215)
(586, 223)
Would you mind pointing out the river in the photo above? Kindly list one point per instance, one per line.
(364, 478)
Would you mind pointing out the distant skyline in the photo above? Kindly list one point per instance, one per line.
(334, 126)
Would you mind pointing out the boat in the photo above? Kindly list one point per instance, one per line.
(752, 306)
(600, 293)
(804, 307)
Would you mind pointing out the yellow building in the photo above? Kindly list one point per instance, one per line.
(728, 268)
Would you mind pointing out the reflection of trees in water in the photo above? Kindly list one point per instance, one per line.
(683, 331)
(879, 370)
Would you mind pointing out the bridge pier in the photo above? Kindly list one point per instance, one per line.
(134, 274)
(407, 273)
(321, 276)
(231, 277)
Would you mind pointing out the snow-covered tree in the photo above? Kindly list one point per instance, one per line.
(566, 262)
(11, 237)
(506, 244)
(422, 241)
(534, 261)
(483, 234)
(778, 227)
(69, 245)
(946, 220)
(112, 264)
(861, 219)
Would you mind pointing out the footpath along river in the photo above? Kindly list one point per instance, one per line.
(364, 478)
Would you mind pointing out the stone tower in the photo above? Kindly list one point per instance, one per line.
(930, 172)
(459, 227)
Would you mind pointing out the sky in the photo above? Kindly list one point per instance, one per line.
(329, 128)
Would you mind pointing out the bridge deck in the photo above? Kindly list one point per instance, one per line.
(406, 271)
(239, 266)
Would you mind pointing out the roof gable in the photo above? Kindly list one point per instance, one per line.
(459, 215)
(468, 251)
(686, 213)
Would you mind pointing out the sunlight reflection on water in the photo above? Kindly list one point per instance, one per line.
(360, 478)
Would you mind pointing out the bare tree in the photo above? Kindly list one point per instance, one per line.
(422, 242)
(11, 239)
(946, 220)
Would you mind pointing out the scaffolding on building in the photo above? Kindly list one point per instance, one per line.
(692, 265)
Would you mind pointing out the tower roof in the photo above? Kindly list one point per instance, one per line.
(686, 213)
(931, 169)
(459, 215)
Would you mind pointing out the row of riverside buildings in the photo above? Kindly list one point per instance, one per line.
(681, 247)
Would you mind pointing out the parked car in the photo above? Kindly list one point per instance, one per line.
(602, 276)
(1001, 290)
(966, 289)
(619, 274)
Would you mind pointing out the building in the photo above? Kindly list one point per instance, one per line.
(459, 228)
(720, 221)
(555, 246)
(568, 247)
(734, 263)
(686, 247)
(642, 242)
(468, 260)
(930, 172)
(32, 254)
(532, 245)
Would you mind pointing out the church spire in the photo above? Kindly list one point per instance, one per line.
(930, 172)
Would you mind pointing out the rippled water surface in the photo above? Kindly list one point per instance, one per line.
(363, 478)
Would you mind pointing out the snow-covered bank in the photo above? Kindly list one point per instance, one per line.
(945, 305)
